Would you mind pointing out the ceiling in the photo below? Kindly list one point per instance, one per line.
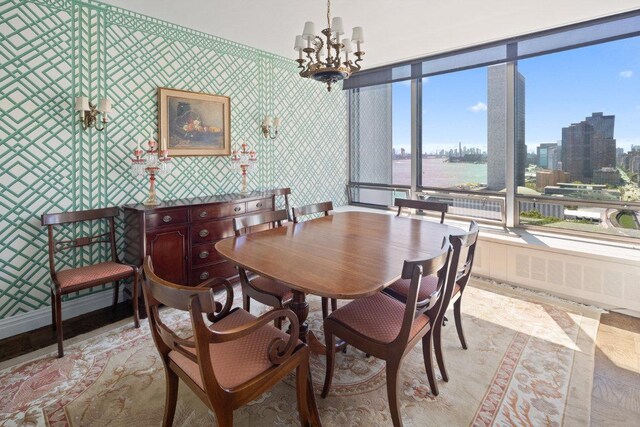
(395, 30)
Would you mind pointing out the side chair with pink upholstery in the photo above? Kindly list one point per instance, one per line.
(388, 329)
(70, 280)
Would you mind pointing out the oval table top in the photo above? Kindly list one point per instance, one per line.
(345, 255)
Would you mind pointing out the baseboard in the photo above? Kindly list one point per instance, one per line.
(24, 322)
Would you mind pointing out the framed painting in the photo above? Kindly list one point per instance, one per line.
(194, 124)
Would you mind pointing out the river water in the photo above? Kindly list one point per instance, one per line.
(437, 173)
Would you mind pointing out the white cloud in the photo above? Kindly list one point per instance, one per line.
(626, 74)
(480, 106)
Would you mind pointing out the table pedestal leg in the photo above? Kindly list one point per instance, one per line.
(300, 307)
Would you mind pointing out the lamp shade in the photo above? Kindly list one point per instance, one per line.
(336, 25)
(299, 45)
(277, 121)
(266, 121)
(82, 103)
(358, 35)
(347, 46)
(104, 105)
(309, 32)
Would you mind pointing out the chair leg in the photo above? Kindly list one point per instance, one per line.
(302, 391)
(325, 308)
(334, 304)
(330, 342)
(116, 291)
(428, 362)
(314, 416)
(224, 417)
(458, 319)
(171, 397)
(392, 392)
(53, 310)
(437, 343)
(246, 302)
(136, 308)
(58, 315)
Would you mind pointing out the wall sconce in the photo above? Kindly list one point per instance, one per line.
(89, 112)
(268, 126)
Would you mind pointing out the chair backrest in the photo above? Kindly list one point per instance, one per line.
(158, 291)
(274, 218)
(423, 205)
(467, 254)
(286, 192)
(323, 207)
(56, 246)
(439, 265)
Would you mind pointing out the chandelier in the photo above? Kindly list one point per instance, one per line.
(324, 61)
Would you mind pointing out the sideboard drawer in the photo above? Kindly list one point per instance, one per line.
(212, 230)
(205, 254)
(222, 269)
(208, 212)
(259, 205)
(166, 217)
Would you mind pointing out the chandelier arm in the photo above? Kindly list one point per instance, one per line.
(319, 46)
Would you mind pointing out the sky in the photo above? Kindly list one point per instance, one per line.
(560, 89)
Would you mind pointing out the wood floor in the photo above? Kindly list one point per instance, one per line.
(615, 398)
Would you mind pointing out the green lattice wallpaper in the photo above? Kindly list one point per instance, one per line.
(52, 51)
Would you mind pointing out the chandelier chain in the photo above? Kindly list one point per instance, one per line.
(328, 13)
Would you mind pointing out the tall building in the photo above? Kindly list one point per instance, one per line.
(496, 124)
(548, 156)
(588, 146)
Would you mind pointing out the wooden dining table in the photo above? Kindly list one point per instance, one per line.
(346, 255)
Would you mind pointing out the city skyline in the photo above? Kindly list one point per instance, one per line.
(601, 78)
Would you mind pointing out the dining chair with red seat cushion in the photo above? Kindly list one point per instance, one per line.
(267, 291)
(316, 208)
(231, 361)
(71, 280)
(400, 290)
(386, 328)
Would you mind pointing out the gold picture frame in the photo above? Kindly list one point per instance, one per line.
(194, 124)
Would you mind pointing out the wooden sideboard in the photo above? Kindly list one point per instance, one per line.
(180, 235)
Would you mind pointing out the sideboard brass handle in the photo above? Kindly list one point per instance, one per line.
(204, 275)
(259, 205)
(204, 233)
(167, 218)
(237, 209)
(204, 254)
(203, 214)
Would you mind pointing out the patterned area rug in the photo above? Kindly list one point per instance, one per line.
(529, 362)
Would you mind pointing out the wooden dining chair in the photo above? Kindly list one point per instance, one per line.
(401, 288)
(267, 291)
(286, 192)
(317, 208)
(71, 280)
(384, 327)
(423, 205)
(231, 362)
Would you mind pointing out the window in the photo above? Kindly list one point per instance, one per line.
(539, 130)
(380, 134)
(582, 138)
(459, 143)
